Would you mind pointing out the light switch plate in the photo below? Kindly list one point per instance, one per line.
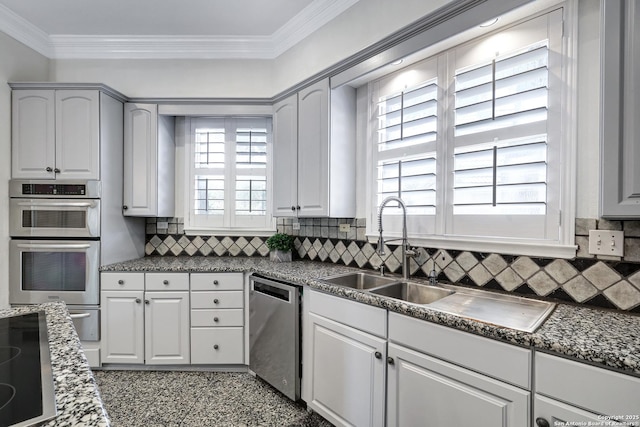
(606, 242)
(344, 228)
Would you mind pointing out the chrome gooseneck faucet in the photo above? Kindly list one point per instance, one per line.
(406, 250)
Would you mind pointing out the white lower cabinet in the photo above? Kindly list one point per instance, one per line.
(571, 392)
(344, 360)
(425, 391)
(145, 326)
(217, 318)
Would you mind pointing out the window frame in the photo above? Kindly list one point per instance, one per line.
(561, 247)
(230, 223)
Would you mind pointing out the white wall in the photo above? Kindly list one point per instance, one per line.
(18, 63)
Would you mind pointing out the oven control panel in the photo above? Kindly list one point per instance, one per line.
(54, 189)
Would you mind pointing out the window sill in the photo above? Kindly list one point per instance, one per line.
(244, 232)
(486, 245)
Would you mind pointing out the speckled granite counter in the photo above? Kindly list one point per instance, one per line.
(77, 398)
(600, 337)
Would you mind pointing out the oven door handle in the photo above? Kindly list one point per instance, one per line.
(79, 315)
(58, 204)
(53, 246)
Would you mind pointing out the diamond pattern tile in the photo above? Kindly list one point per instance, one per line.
(601, 275)
(587, 279)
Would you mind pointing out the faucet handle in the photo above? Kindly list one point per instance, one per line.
(381, 269)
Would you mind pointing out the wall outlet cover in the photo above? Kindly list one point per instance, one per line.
(606, 242)
(296, 226)
(344, 228)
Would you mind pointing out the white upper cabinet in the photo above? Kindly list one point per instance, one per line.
(149, 168)
(314, 153)
(56, 134)
(620, 108)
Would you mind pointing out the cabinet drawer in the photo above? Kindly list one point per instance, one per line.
(496, 359)
(589, 387)
(122, 281)
(217, 281)
(167, 281)
(217, 318)
(217, 299)
(217, 345)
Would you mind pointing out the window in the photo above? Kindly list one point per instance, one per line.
(471, 140)
(229, 174)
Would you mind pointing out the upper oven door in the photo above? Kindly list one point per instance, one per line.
(52, 270)
(54, 218)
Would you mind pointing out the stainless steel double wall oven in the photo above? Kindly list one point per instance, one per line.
(55, 248)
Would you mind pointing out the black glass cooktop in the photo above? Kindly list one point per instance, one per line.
(26, 384)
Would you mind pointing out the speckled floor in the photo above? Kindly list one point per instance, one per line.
(197, 399)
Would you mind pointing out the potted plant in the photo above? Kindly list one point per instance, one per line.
(280, 245)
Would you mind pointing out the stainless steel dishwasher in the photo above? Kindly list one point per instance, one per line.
(274, 333)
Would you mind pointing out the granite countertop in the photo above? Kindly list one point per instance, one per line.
(78, 401)
(601, 337)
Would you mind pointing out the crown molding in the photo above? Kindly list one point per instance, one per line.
(310, 19)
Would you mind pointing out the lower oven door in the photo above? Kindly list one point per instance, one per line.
(51, 270)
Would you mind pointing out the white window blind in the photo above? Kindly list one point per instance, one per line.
(474, 146)
(229, 171)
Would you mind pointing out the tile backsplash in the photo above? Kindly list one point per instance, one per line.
(609, 282)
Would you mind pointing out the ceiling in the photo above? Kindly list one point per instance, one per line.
(165, 28)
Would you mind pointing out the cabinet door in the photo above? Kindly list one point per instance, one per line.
(32, 134)
(122, 327)
(285, 157)
(429, 392)
(549, 412)
(313, 150)
(140, 159)
(77, 134)
(347, 372)
(166, 328)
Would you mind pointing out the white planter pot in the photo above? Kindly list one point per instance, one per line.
(280, 256)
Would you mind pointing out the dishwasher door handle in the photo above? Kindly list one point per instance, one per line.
(272, 289)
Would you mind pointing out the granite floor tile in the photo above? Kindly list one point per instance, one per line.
(190, 399)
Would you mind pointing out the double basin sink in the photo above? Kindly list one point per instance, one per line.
(499, 309)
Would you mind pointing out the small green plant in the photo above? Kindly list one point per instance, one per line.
(280, 241)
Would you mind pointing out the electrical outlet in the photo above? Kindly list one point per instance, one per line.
(296, 226)
(344, 228)
(606, 242)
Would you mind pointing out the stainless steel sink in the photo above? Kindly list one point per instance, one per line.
(358, 280)
(413, 292)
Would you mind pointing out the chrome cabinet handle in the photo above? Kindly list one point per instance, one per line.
(138, 300)
(165, 282)
(56, 170)
(390, 360)
(49, 169)
(215, 346)
(378, 355)
(79, 315)
(120, 282)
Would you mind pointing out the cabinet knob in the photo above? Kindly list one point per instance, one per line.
(293, 208)
(541, 422)
(125, 207)
(120, 282)
(138, 300)
(49, 169)
(298, 207)
(215, 319)
(378, 355)
(215, 282)
(56, 170)
(215, 301)
(146, 301)
(390, 360)
(165, 282)
(215, 346)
